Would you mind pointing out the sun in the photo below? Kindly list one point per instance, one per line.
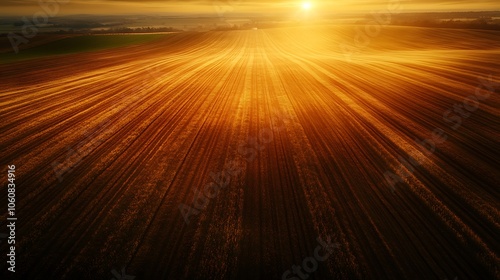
(306, 6)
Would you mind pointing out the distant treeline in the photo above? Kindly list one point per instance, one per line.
(121, 30)
(72, 25)
(461, 20)
(245, 26)
(256, 25)
(480, 23)
(137, 30)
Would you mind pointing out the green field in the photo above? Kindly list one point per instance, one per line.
(85, 43)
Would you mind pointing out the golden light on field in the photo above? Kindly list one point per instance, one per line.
(215, 154)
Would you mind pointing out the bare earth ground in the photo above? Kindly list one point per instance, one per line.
(132, 132)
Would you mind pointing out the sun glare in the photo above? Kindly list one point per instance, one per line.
(306, 5)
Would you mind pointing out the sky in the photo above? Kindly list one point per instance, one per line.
(27, 7)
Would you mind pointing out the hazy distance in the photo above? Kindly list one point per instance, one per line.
(24, 7)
